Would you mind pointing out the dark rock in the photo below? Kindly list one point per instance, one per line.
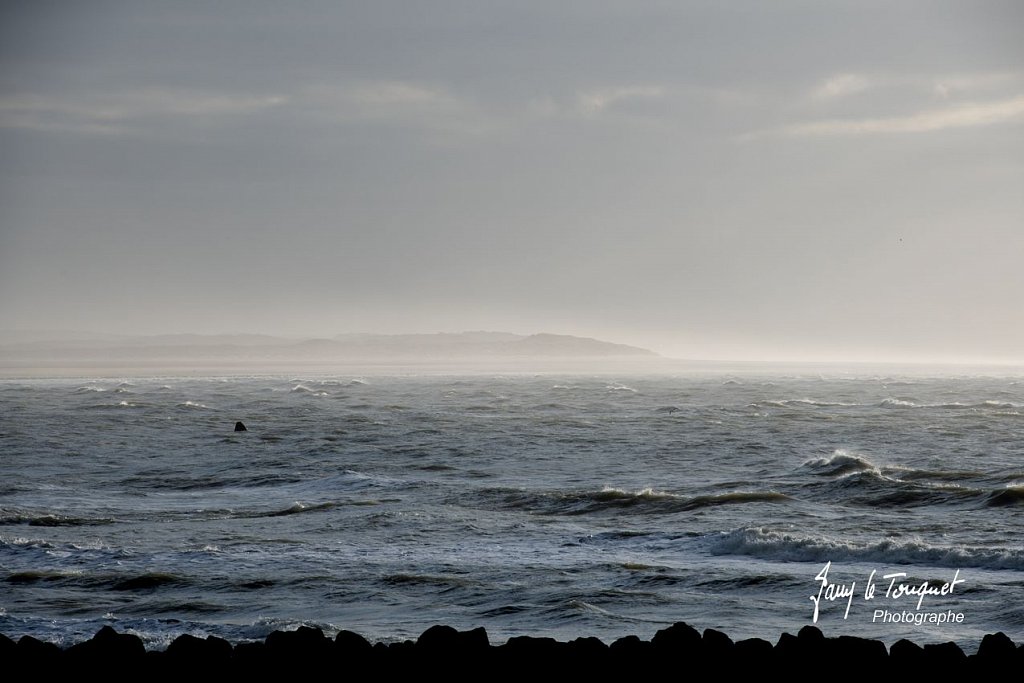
(439, 638)
(789, 647)
(860, 653)
(108, 646)
(589, 646)
(301, 644)
(944, 656)
(32, 649)
(996, 646)
(587, 658)
(250, 658)
(445, 640)
(752, 650)
(904, 651)
(402, 660)
(239, 427)
(678, 639)
(475, 639)
(350, 644)
(208, 651)
(528, 654)
(811, 635)
(630, 648)
(8, 647)
(716, 644)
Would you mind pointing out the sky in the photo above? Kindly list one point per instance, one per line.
(792, 180)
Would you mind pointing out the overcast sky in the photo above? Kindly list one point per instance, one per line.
(787, 180)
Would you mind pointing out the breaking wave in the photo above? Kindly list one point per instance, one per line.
(791, 547)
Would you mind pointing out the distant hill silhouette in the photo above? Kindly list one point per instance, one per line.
(456, 347)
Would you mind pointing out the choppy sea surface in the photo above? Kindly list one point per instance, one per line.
(528, 504)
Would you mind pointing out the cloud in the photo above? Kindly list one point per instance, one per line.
(393, 103)
(591, 102)
(378, 99)
(963, 115)
(841, 85)
(949, 85)
(967, 115)
(107, 112)
(434, 111)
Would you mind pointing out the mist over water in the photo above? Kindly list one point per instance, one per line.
(540, 504)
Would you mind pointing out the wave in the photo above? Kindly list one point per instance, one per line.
(303, 389)
(914, 474)
(840, 463)
(874, 488)
(804, 402)
(1002, 405)
(299, 507)
(148, 581)
(858, 481)
(295, 509)
(427, 580)
(1009, 496)
(644, 501)
(209, 482)
(116, 582)
(345, 481)
(788, 547)
(952, 405)
(897, 403)
(41, 576)
(49, 519)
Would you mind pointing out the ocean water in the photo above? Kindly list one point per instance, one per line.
(528, 504)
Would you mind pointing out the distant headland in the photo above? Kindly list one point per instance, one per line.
(71, 353)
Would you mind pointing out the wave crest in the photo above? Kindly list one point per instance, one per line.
(787, 547)
(644, 501)
(840, 463)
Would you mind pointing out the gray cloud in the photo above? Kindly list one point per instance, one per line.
(794, 180)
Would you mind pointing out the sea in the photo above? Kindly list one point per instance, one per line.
(753, 502)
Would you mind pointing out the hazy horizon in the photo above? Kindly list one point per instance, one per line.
(798, 181)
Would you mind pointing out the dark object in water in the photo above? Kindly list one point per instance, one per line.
(239, 427)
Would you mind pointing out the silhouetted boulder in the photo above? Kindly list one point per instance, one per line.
(630, 648)
(8, 648)
(716, 644)
(947, 657)
(862, 654)
(299, 645)
(528, 654)
(997, 647)
(250, 658)
(34, 651)
(349, 644)
(586, 648)
(752, 650)
(811, 635)
(906, 653)
(679, 639)
(108, 646)
(204, 652)
(475, 640)
(788, 648)
(439, 638)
